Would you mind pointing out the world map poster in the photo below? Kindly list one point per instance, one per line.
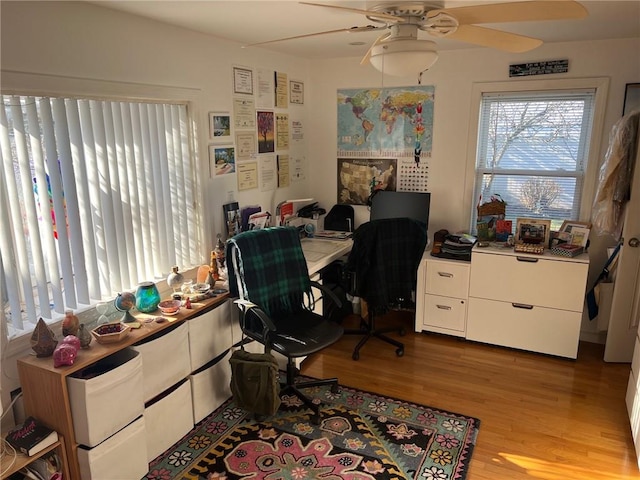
(385, 122)
(384, 137)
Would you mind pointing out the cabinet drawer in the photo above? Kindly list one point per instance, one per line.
(447, 279)
(528, 280)
(168, 419)
(96, 389)
(537, 329)
(165, 359)
(209, 335)
(210, 387)
(444, 313)
(124, 455)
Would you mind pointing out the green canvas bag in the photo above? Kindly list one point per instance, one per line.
(255, 383)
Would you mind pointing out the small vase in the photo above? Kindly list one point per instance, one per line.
(70, 324)
(175, 279)
(84, 336)
(147, 297)
(43, 340)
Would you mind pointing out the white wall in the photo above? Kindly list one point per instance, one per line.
(77, 39)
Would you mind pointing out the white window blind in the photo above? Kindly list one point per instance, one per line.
(532, 151)
(95, 197)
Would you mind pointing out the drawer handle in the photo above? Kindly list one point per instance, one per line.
(444, 307)
(445, 274)
(527, 259)
(522, 305)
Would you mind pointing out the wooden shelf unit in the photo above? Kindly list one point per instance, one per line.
(21, 460)
(44, 387)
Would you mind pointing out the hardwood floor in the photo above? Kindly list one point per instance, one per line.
(541, 417)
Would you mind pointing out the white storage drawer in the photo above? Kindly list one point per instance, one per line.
(445, 313)
(209, 335)
(538, 329)
(447, 279)
(168, 419)
(529, 280)
(106, 396)
(165, 359)
(210, 388)
(122, 456)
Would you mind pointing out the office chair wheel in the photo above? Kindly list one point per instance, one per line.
(400, 352)
(356, 356)
(335, 388)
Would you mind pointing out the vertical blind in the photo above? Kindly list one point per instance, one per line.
(532, 151)
(96, 196)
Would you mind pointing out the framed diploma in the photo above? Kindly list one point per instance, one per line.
(242, 80)
(296, 92)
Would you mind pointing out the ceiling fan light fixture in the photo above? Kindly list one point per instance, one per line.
(404, 58)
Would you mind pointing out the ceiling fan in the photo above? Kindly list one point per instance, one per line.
(400, 52)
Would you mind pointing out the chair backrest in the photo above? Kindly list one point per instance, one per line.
(385, 258)
(267, 267)
(340, 218)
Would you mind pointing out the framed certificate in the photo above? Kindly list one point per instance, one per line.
(242, 80)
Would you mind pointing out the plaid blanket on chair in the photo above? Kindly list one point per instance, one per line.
(268, 268)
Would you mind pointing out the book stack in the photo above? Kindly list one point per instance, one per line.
(457, 247)
(31, 437)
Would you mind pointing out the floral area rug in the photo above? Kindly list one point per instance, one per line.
(361, 436)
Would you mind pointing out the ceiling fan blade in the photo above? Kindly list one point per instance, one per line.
(378, 15)
(529, 11)
(367, 28)
(488, 37)
(378, 41)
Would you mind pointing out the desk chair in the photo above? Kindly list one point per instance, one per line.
(384, 259)
(268, 272)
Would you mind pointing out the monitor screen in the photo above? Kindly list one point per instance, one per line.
(386, 204)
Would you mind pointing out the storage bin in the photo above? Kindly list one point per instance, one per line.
(209, 335)
(168, 419)
(106, 396)
(210, 387)
(122, 456)
(165, 359)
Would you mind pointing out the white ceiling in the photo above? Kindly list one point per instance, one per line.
(262, 20)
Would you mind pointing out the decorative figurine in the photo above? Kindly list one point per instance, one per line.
(84, 336)
(43, 340)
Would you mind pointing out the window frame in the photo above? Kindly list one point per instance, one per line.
(599, 84)
(44, 85)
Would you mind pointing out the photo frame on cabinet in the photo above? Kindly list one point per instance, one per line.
(578, 232)
(631, 98)
(533, 230)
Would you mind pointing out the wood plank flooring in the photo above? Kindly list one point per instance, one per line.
(541, 417)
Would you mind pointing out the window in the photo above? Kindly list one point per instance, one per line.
(95, 197)
(533, 150)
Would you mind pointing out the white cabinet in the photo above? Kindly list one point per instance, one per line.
(525, 301)
(441, 298)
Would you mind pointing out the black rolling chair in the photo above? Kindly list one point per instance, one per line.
(268, 272)
(384, 260)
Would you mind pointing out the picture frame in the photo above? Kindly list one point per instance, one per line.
(631, 98)
(578, 232)
(243, 80)
(296, 92)
(533, 230)
(220, 126)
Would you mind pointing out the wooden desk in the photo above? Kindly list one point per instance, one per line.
(44, 387)
(319, 252)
